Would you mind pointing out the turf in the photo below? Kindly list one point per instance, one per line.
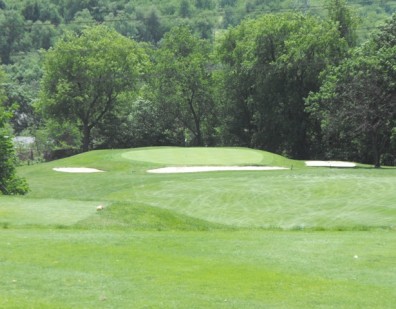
(109, 269)
(302, 237)
(206, 156)
(49, 212)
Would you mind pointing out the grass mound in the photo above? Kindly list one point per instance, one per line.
(206, 156)
(145, 218)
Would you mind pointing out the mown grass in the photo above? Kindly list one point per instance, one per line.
(218, 269)
(300, 238)
(19, 212)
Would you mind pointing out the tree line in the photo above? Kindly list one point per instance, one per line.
(293, 83)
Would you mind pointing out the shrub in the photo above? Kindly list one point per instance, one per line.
(10, 183)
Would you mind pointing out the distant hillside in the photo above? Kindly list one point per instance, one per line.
(149, 20)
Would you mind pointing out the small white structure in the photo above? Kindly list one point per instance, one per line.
(24, 140)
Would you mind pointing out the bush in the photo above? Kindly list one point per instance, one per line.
(10, 184)
(15, 185)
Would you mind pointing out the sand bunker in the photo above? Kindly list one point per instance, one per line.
(329, 164)
(76, 170)
(198, 169)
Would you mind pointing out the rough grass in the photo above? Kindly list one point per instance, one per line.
(301, 238)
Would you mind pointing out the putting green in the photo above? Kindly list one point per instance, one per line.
(196, 156)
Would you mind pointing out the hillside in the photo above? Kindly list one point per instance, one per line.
(149, 20)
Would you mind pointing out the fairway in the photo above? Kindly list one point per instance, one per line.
(51, 212)
(300, 237)
(246, 269)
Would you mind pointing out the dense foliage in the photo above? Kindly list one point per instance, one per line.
(271, 65)
(357, 101)
(182, 85)
(199, 72)
(10, 183)
(86, 76)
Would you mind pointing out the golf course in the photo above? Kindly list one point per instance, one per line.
(172, 227)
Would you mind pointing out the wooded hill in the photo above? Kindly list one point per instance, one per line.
(37, 23)
(260, 73)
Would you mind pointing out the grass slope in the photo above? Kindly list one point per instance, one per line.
(305, 237)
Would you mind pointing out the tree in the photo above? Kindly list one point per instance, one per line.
(10, 183)
(31, 11)
(140, 124)
(22, 89)
(11, 34)
(42, 35)
(153, 25)
(185, 10)
(41, 10)
(346, 21)
(271, 64)
(85, 75)
(357, 99)
(82, 20)
(204, 26)
(70, 7)
(205, 4)
(123, 23)
(224, 3)
(150, 25)
(183, 82)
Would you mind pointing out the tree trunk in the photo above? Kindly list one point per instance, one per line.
(86, 140)
(197, 121)
(376, 151)
(197, 131)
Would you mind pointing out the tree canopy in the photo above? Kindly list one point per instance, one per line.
(272, 63)
(357, 100)
(182, 83)
(84, 77)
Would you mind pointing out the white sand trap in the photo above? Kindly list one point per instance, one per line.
(198, 169)
(329, 164)
(77, 170)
